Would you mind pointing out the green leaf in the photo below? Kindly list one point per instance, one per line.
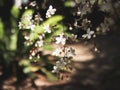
(1, 29)
(27, 69)
(28, 12)
(51, 21)
(68, 3)
(15, 11)
(47, 47)
(13, 43)
(24, 62)
(49, 74)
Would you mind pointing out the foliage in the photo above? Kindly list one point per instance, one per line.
(44, 22)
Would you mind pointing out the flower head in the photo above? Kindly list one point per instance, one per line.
(57, 52)
(27, 23)
(70, 52)
(47, 28)
(61, 39)
(88, 34)
(51, 11)
(39, 43)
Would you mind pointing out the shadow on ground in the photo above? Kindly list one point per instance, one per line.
(100, 72)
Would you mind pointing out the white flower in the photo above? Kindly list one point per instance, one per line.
(51, 11)
(39, 43)
(70, 52)
(28, 17)
(33, 4)
(57, 52)
(30, 57)
(18, 3)
(88, 34)
(20, 25)
(61, 64)
(41, 36)
(30, 26)
(27, 23)
(27, 37)
(33, 53)
(55, 69)
(61, 39)
(47, 28)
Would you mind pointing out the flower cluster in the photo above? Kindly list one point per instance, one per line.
(64, 52)
(51, 11)
(64, 64)
(47, 28)
(27, 23)
(61, 39)
(89, 34)
(35, 52)
(40, 41)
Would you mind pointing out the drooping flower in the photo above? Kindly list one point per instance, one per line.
(51, 11)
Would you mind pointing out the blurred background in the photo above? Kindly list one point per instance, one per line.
(96, 65)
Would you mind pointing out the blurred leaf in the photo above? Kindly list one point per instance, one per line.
(57, 31)
(27, 12)
(51, 21)
(99, 2)
(47, 47)
(15, 11)
(30, 69)
(24, 62)
(13, 43)
(69, 3)
(34, 68)
(92, 1)
(50, 75)
(1, 3)
(2, 46)
(1, 29)
(27, 70)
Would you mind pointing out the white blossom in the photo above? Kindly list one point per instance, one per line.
(27, 37)
(27, 23)
(18, 3)
(61, 39)
(30, 57)
(59, 65)
(55, 69)
(20, 25)
(27, 17)
(30, 26)
(88, 34)
(57, 52)
(39, 43)
(51, 11)
(47, 28)
(33, 4)
(70, 52)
